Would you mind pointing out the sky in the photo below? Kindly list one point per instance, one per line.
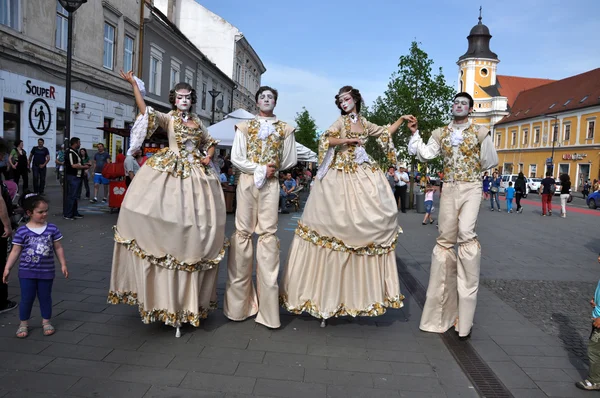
(311, 48)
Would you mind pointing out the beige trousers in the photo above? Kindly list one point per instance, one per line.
(454, 280)
(256, 212)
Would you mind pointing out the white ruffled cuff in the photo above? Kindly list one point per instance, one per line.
(138, 132)
(413, 143)
(140, 85)
(326, 163)
(260, 176)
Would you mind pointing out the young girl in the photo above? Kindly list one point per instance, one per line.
(428, 205)
(36, 244)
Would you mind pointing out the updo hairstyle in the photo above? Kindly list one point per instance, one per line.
(181, 86)
(355, 96)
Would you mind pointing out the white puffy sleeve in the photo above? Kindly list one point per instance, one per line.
(145, 125)
(424, 152)
(289, 157)
(488, 155)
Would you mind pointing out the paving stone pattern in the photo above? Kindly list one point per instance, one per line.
(559, 308)
(102, 350)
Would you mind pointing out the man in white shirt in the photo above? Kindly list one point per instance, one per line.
(261, 147)
(468, 150)
(401, 186)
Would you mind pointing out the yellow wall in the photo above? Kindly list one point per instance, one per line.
(530, 152)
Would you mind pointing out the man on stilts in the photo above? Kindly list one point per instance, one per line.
(261, 147)
(467, 151)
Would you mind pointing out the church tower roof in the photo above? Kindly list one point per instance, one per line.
(479, 42)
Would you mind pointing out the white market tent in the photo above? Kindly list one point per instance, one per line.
(225, 130)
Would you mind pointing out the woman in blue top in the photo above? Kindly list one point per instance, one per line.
(486, 185)
(494, 189)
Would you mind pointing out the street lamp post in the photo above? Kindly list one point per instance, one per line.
(214, 94)
(554, 136)
(71, 6)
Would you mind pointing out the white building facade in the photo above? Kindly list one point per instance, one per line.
(223, 44)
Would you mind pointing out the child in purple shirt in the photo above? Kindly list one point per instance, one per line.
(34, 245)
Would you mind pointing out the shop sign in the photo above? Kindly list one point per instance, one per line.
(39, 91)
(40, 118)
(574, 156)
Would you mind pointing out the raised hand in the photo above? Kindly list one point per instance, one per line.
(128, 76)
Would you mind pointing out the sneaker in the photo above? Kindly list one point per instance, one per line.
(587, 385)
(94, 200)
(68, 218)
(563, 215)
(10, 305)
(492, 209)
(549, 212)
(78, 216)
(543, 215)
(104, 200)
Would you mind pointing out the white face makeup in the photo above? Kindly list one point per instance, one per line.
(346, 102)
(183, 100)
(266, 101)
(460, 107)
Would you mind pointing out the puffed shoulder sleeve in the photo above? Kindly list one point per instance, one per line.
(333, 131)
(207, 140)
(488, 155)
(425, 152)
(145, 125)
(384, 139)
(289, 156)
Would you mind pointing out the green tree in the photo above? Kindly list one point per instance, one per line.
(306, 130)
(414, 90)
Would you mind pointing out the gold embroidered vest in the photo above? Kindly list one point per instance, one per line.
(272, 150)
(462, 164)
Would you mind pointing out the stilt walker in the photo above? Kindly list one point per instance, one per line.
(467, 151)
(261, 147)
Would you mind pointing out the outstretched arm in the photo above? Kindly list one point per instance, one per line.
(416, 146)
(139, 99)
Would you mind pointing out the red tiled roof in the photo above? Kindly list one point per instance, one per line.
(511, 86)
(566, 95)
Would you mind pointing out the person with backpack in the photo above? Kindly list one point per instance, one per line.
(521, 190)
(548, 186)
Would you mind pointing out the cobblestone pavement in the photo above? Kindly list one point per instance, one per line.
(555, 306)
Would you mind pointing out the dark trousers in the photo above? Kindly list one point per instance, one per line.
(73, 192)
(85, 184)
(400, 193)
(30, 288)
(519, 196)
(24, 173)
(39, 179)
(3, 286)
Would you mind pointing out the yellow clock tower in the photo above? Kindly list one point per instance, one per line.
(477, 76)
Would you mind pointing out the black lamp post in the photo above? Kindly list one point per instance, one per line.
(214, 94)
(71, 6)
(550, 168)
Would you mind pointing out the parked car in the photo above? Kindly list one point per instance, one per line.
(534, 184)
(506, 178)
(593, 200)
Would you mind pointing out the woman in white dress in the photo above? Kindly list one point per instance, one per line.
(342, 259)
(170, 235)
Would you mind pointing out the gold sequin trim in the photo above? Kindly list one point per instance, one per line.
(375, 309)
(178, 165)
(329, 242)
(168, 261)
(161, 315)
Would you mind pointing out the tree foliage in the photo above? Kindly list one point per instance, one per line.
(306, 130)
(414, 90)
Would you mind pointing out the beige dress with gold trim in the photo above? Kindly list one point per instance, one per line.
(342, 259)
(170, 235)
